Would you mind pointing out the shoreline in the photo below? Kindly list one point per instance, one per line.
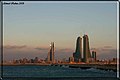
(10, 64)
(34, 64)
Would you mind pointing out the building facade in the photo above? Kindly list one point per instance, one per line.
(50, 57)
(86, 49)
(94, 56)
(78, 52)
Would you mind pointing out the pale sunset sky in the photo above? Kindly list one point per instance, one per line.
(30, 28)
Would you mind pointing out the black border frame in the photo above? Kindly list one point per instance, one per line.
(50, 78)
(1, 35)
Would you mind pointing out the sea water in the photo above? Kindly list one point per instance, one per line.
(54, 71)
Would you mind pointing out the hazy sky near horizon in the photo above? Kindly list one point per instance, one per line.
(38, 24)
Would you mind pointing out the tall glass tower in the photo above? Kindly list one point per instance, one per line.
(86, 49)
(51, 53)
(78, 51)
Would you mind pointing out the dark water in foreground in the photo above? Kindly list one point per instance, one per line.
(54, 71)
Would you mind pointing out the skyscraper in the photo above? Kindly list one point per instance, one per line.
(78, 51)
(94, 55)
(51, 53)
(86, 49)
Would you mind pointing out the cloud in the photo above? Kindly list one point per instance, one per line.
(65, 50)
(39, 48)
(14, 51)
(63, 53)
(107, 52)
(95, 49)
(18, 52)
(103, 49)
(14, 47)
(56, 50)
(107, 49)
(107, 46)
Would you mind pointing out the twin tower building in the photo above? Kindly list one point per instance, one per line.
(86, 50)
(77, 55)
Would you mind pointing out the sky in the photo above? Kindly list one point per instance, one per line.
(30, 28)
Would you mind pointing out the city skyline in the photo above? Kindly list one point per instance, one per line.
(83, 53)
(29, 33)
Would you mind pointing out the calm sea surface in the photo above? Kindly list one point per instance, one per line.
(54, 71)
